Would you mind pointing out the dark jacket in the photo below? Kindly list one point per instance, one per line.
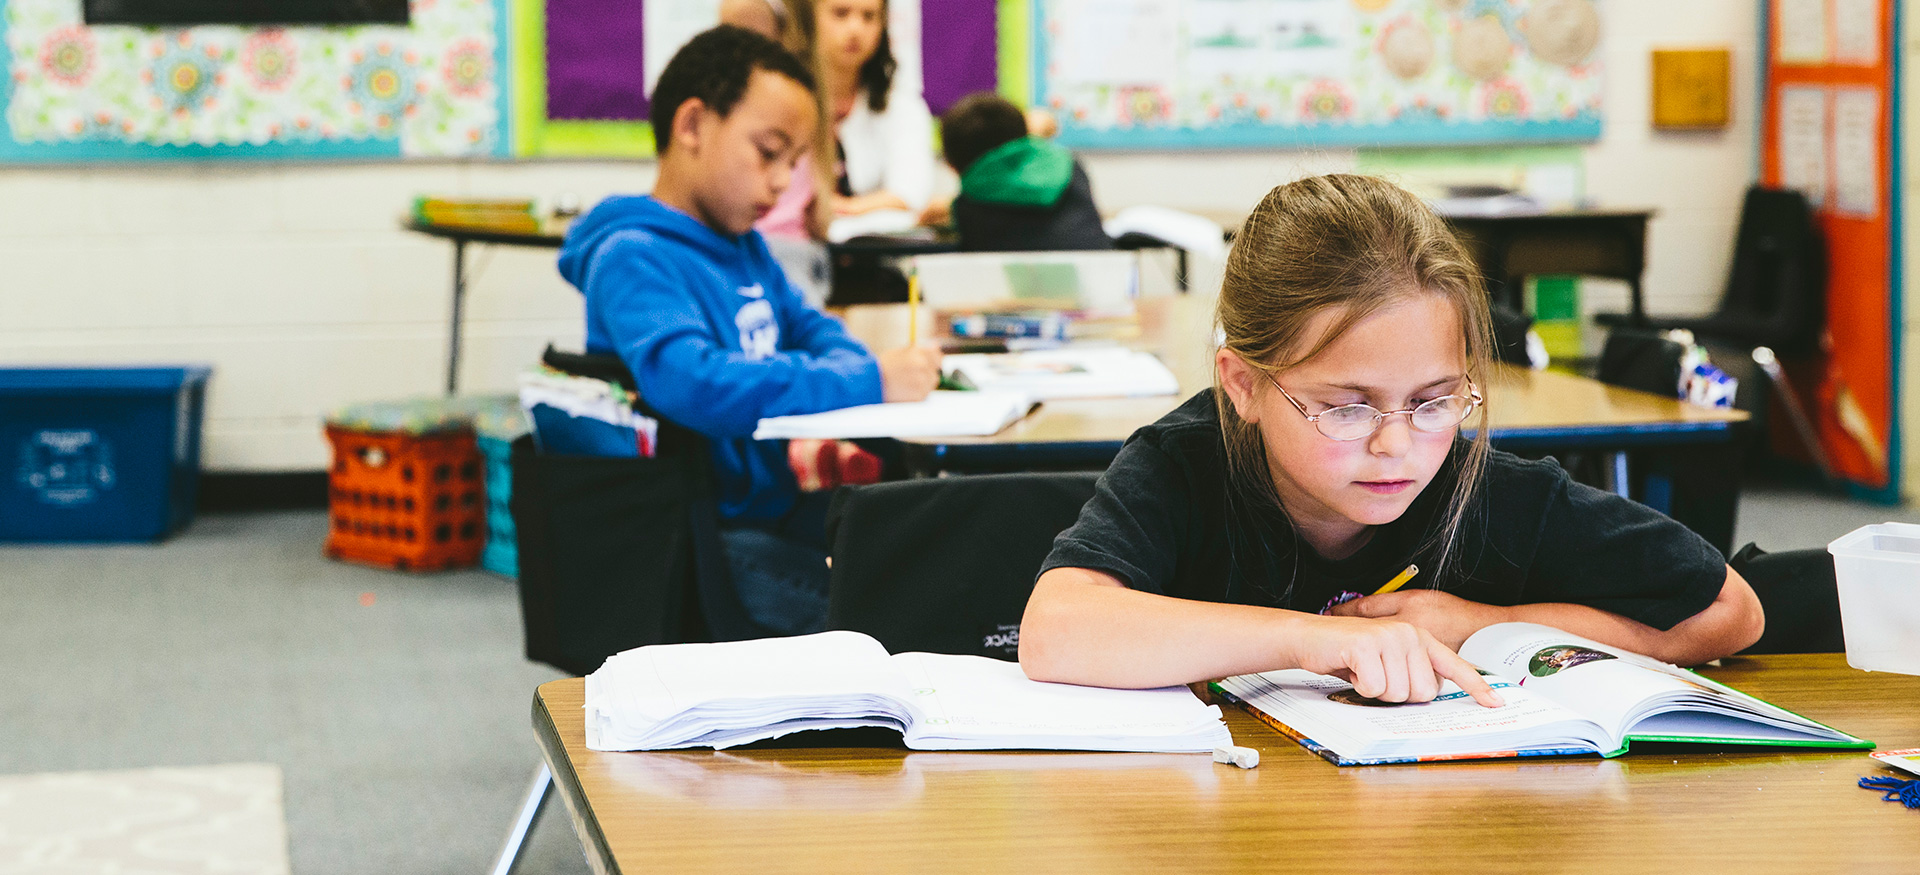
(1027, 195)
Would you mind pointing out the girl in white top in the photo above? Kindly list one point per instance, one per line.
(885, 130)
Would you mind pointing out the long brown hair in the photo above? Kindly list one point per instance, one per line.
(1354, 244)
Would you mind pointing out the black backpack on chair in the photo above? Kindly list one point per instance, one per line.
(619, 553)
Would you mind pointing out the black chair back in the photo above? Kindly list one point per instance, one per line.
(945, 565)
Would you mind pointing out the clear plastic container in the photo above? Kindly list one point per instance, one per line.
(1878, 568)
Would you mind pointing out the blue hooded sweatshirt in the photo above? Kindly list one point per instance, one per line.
(716, 338)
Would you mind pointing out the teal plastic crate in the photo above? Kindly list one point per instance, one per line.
(502, 554)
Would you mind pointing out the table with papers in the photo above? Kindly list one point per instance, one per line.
(840, 809)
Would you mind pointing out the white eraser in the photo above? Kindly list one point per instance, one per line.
(1244, 757)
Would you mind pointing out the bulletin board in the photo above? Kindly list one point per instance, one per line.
(1831, 130)
(586, 68)
(429, 89)
(1294, 73)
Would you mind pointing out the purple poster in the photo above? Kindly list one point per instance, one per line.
(959, 49)
(594, 69)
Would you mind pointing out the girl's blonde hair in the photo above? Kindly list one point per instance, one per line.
(1352, 244)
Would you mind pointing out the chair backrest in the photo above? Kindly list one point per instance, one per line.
(945, 565)
(1776, 289)
(1641, 360)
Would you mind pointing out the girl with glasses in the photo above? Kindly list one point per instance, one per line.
(1233, 535)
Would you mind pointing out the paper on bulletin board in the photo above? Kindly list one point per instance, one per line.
(1856, 32)
(1800, 32)
(1856, 152)
(1119, 42)
(668, 27)
(1803, 142)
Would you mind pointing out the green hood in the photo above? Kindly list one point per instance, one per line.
(1024, 173)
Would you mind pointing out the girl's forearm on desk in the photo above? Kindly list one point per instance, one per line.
(1085, 627)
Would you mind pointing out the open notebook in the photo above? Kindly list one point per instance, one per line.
(1072, 372)
(943, 414)
(1564, 695)
(670, 696)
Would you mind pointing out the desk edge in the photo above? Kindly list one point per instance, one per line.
(586, 825)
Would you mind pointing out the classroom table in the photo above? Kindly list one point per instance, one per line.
(461, 236)
(1511, 246)
(1674, 808)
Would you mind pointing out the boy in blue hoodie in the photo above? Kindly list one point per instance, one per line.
(680, 286)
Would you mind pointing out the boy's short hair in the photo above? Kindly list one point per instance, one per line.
(715, 67)
(980, 123)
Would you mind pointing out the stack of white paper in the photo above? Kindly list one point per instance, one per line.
(720, 695)
(1073, 372)
(943, 414)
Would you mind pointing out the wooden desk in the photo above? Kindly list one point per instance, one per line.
(1513, 246)
(1680, 810)
(461, 237)
(1509, 248)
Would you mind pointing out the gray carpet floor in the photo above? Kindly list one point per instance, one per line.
(402, 725)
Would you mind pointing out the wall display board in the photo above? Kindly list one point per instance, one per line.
(74, 92)
(1227, 73)
(1830, 129)
(586, 68)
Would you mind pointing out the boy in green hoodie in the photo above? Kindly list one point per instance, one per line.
(1016, 192)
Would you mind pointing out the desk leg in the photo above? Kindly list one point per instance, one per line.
(453, 326)
(523, 824)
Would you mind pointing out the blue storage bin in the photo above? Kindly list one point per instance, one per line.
(99, 453)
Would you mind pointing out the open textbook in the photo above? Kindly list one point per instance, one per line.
(1072, 372)
(670, 696)
(943, 414)
(1564, 695)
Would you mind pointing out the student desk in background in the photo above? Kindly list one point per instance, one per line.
(1675, 457)
(461, 236)
(1677, 809)
(1511, 246)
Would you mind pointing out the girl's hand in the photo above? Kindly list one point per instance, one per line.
(1387, 660)
(1449, 618)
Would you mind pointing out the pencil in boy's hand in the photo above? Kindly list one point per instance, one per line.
(913, 308)
(1399, 580)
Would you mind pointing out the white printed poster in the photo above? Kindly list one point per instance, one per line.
(1856, 32)
(1800, 31)
(668, 26)
(1803, 142)
(1856, 152)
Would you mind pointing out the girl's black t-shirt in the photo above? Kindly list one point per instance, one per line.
(1163, 520)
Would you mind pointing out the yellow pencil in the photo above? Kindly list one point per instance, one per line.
(1398, 580)
(913, 308)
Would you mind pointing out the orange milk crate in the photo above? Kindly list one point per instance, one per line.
(413, 502)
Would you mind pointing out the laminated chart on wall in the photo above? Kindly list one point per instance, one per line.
(73, 92)
(1176, 73)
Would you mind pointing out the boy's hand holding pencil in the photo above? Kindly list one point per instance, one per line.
(909, 373)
